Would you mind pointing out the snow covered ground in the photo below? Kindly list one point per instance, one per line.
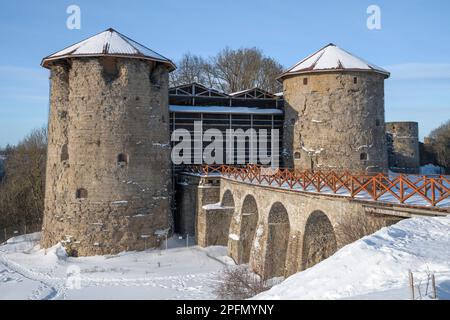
(376, 267)
(27, 272)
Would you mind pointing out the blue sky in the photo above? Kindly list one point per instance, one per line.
(413, 44)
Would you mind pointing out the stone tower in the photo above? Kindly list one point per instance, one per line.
(403, 146)
(108, 182)
(334, 113)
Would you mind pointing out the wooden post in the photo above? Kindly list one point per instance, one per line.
(411, 284)
(433, 285)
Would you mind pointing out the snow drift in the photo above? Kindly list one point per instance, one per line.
(376, 266)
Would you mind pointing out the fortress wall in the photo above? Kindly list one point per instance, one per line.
(331, 122)
(108, 171)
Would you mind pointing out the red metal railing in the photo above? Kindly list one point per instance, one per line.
(413, 190)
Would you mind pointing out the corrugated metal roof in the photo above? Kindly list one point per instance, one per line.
(333, 58)
(108, 43)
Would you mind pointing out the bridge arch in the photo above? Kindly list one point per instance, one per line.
(227, 199)
(277, 241)
(242, 230)
(319, 239)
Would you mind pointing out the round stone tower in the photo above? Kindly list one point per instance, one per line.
(403, 146)
(334, 113)
(108, 181)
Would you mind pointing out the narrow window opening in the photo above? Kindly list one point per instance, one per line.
(377, 122)
(81, 193)
(110, 69)
(305, 81)
(297, 155)
(64, 153)
(355, 80)
(122, 159)
(363, 156)
(155, 78)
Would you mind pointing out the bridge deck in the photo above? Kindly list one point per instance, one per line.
(430, 193)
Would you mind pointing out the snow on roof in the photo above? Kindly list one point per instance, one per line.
(255, 92)
(331, 58)
(195, 88)
(108, 43)
(238, 92)
(221, 109)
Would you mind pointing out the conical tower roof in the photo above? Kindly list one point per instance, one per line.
(108, 43)
(332, 58)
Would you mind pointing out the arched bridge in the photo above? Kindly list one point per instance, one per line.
(284, 221)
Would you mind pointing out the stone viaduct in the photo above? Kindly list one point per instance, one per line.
(277, 231)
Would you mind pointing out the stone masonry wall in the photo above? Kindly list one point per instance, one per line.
(403, 146)
(213, 219)
(108, 182)
(331, 122)
(193, 192)
(303, 211)
(279, 231)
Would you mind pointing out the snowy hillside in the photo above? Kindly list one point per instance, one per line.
(27, 272)
(376, 267)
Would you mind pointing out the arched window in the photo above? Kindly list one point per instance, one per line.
(363, 156)
(122, 159)
(227, 199)
(81, 193)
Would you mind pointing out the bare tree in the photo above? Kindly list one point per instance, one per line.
(230, 70)
(246, 68)
(238, 283)
(440, 146)
(22, 189)
(189, 69)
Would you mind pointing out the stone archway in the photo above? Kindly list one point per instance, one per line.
(249, 222)
(242, 231)
(277, 241)
(319, 240)
(227, 199)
